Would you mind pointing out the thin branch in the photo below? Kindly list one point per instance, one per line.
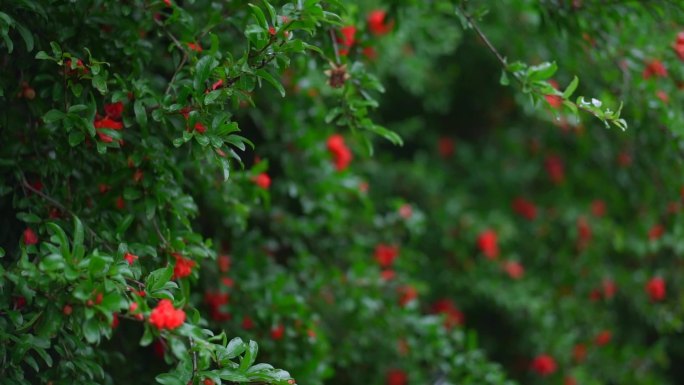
(194, 358)
(335, 47)
(159, 233)
(175, 74)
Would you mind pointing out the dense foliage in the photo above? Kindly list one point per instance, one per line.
(405, 192)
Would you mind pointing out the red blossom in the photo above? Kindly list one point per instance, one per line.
(224, 263)
(405, 211)
(554, 101)
(654, 68)
(130, 258)
(262, 180)
(386, 254)
(609, 288)
(183, 266)
(278, 332)
(247, 323)
(215, 301)
(583, 232)
(454, 317)
(133, 307)
(195, 47)
(120, 203)
(228, 282)
(30, 237)
(272, 31)
(524, 208)
(655, 288)
(514, 269)
(387, 275)
(347, 39)
(579, 352)
(67, 310)
(218, 84)
(555, 169)
(396, 377)
(167, 2)
(656, 232)
(369, 52)
(603, 338)
(107, 122)
(663, 96)
(114, 110)
(376, 22)
(200, 128)
(340, 152)
(115, 321)
(445, 147)
(407, 294)
(165, 316)
(543, 365)
(598, 208)
(487, 243)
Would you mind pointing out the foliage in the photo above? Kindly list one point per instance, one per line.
(351, 184)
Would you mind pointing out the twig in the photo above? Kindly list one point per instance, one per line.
(482, 36)
(194, 358)
(335, 47)
(159, 233)
(175, 74)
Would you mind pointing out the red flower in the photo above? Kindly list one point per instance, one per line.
(30, 237)
(376, 23)
(655, 288)
(396, 377)
(167, 2)
(200, 128)
(130, 258)
(609, 288)
(107, 122)
(386, 254)
(656, 232)
(217, 85)
(405, 211)
(624, 159)
(247, 323)
(487, 243)
(228, 282)
(165, 316)
(454, 317)
(579, 352)
(347, 39)
(679, 45)
(224, 263)
(215, 302)
(554, 101)
(208, 381)
(654, 67)
(407, 294)
(278, 332)
(195, 47)
(340, 151)
(115, 321)
(569, 381)
(114, 110)
(370, 53)
(598, 208)
(544, 365)
(524, 208)
(183, 266)
(445, 147)
(663, 96)
(67, 309)
(554, 168)
(271, 30)
(133, 307)
(262, 180)
(387, 275)
(120, 203)
(603, 338)
(583, 232)
(514, 269)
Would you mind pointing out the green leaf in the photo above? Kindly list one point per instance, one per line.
(140, 113)
(542, 71)
(100, 82)
(158, 278)
(42, 55)
(269, 78)
(91, 330)
(169, 379)
(259, 15)
(28, 217)
(249, 357)
(75, 138)
(571, 88)
(235, 347)
(26, 35)
(53, 116)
